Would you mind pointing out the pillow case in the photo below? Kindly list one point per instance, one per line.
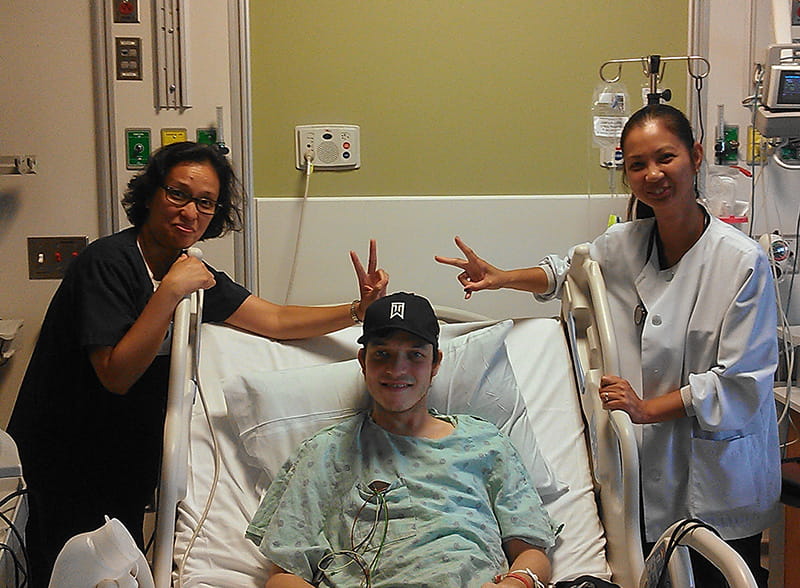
(274, 411)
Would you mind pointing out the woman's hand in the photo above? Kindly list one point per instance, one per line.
(186, 275)
(617, 394)
(119, 367)
(477, 274)
(373, 282)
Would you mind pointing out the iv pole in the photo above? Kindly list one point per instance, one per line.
(653, 67)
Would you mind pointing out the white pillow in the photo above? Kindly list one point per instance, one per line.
(274, 411)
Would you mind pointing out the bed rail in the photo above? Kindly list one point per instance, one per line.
(174, 465)
(613, 448)
(706, 543)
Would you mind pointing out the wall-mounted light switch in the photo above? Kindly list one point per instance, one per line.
(128, 58)
(48, 257)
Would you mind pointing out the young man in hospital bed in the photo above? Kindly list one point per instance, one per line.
(400, 495)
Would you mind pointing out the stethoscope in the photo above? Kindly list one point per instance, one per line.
(640, 312)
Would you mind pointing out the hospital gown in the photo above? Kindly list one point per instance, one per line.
(450, 504)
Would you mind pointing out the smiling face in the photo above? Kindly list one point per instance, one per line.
(398, 370)
(170, 228)
(659, 167)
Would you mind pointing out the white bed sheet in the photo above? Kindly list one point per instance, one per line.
(222, 557)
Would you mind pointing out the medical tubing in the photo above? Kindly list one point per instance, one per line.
(11, 495)
(353, 553)
(20, 540)
(214, 448)
(753, 179)
(788, 348)
(212, 491)
(698, 85)
(309, 157)
(365, 541)
(17, 566)
(786, 413)
(384, 506)
(753, 108)
(678, 533)
(322, 567)
(794, 262)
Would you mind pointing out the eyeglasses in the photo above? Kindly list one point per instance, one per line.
(180, 199)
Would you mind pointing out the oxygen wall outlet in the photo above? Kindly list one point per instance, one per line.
(727, 146)
(330, 147)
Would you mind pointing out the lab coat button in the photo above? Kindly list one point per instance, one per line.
(657, 320)
(669, 276)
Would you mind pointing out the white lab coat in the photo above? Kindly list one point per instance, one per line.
(709, 330)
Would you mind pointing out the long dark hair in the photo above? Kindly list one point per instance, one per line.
(144, 185)
(675, 122)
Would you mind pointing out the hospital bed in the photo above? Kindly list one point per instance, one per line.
(249, 401)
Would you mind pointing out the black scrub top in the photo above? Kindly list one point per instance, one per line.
(72, 432)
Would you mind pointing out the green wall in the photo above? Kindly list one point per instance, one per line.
(453, 97)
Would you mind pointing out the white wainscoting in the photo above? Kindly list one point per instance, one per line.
(508, 231)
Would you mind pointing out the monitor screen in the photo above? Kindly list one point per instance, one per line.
(789, 88)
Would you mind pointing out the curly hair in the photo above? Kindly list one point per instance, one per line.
(675, 122)
(144, 185)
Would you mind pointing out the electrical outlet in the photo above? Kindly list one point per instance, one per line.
(48, 257)
(332, 147)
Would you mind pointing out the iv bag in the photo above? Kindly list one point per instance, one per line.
(609, 115)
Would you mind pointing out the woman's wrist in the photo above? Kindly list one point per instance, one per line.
(355, 307)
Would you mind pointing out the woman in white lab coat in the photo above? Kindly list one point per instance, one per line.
(694, 312)
(89, 415)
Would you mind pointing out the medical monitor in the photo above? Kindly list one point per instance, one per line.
(783, 87)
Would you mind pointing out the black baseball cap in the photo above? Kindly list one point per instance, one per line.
(404, 311)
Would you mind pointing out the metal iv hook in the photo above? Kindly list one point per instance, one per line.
(646, 61)
(653, 67)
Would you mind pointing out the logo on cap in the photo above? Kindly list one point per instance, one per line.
(398, 309)
(404, 311)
